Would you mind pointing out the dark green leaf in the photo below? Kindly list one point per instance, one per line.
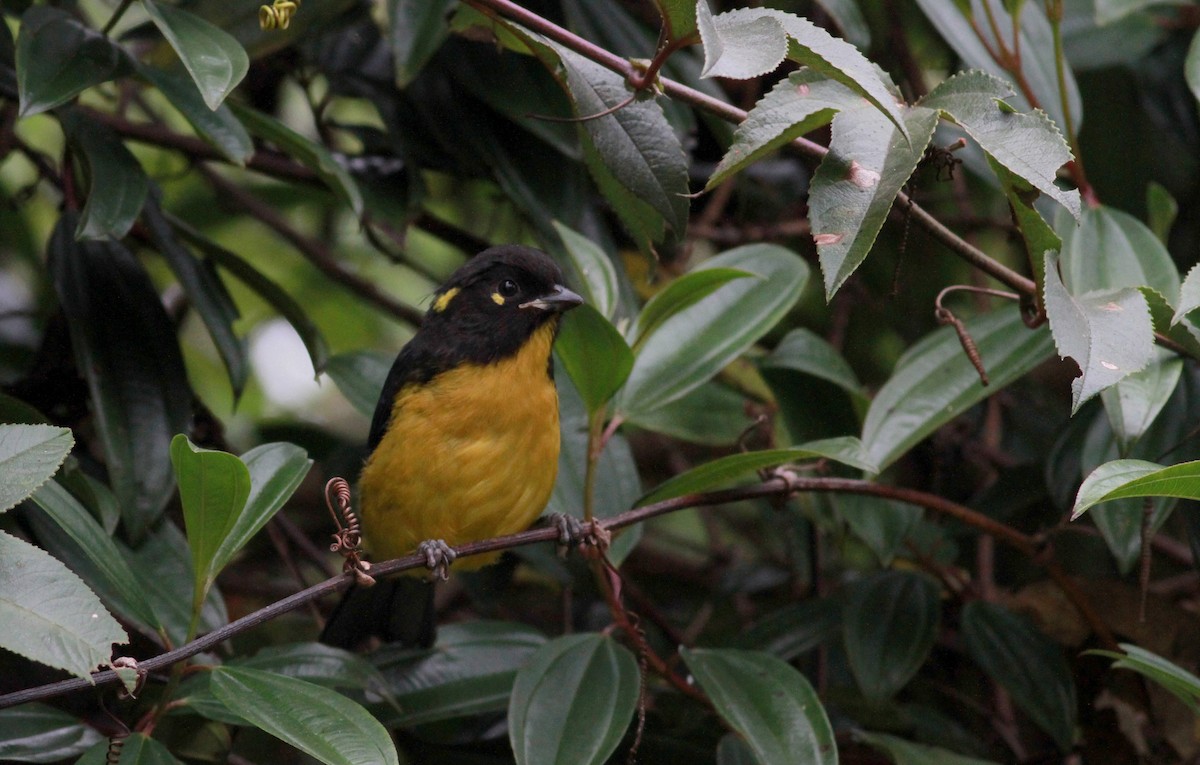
(126, 350)
(849, 20)
(679, 18)
(768, 702)
(882, 524)
(572, 701)
(1183, 684)
(711, 414)
(48, 614)
(137, 749)
(794, 630)
(215, 60)
(1036, 233)
(40, 733)
(418, 29)
(29, 456)
(1161, 210)
(802, 350)
(117, 186)
(320, 722)
(217, 126)
(360, 376)
(904, 752)
(58, 57)
(889, 626)
(1029, 665)
(732, 750)
(594, 354)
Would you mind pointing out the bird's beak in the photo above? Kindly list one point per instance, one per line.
(556, 300)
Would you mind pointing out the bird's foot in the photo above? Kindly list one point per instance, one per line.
(570, 532)
(438, 557)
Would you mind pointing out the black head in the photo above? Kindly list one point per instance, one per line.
(492, 304)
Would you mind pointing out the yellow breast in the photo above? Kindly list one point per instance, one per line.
(470, 455)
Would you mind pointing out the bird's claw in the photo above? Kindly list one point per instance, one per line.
(570, 531)
(438, 557)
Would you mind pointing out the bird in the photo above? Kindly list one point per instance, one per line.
(464, 441)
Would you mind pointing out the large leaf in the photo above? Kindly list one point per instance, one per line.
(48, 615)
(1029, 665)
(802, 350)
(1122, 479)
(164, 564)
(1109, 249)
(29, 456)
(117, 185)
(904, 752)
(318, 721)
(882, 524)
(1133, 404)
(768, 702)
(217, 126)
(215, 60)
(58, 57)
(869, 161)
(595, 355)
(572, 701)
(1183, 684)
(695, 343)
(360, 377)
(1107, 332)
(889, 625)
(126, 350)
(934, 382)
(1027, 145)
(712, 414)
(685, 291)
(41, 733)
(795, 629)
(597, 277)
(213, 487)
(417, 29)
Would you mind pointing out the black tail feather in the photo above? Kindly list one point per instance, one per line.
(396, 610)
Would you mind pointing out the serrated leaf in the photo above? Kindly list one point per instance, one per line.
(29, 456)
(594, 354)
(1029, 665)
(360, 376)
(117, 186)
(1182, 684)
(739, 45)
(213, 487)
(1134, 403)
(416, 29)
(768, 702)
(572, 701)
(1189, 295)
(904, 752)
(217, 126)
(1107, 332)
(312, 155)
(58, 57)
(215, 60)
(724, 471)
(1110, 248)
(802, 350)
(41, 733)
(1027, 145)
(889, 625)
(1122, 479)
(597, 277)
(48, 614)
(126, 349)
(685, 291)
(694, 344)
(318, 721)
(910, 406)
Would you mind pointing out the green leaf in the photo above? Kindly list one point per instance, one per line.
(597, 277)
(802, 350)
(594, 354)
(1027, 145)
(767, 702)
(904, 752)
(126, 349)
(318, 721)
(1191, 66)
(711, 414)
(735, 468)
(213, 487)
(206, 293)
(889, 626)
(217, 126)
(164, 565)
(748, 42)
(1189, 295)
(215, 60)
(679, 19)
(1133, 404)
(110, 565)
(58, 58)
(797, 105)
(1109, 249)
(572, 701)
(48, 614)
(882, 524)
(794, 630)
(1182, 684)
(275, 471)
(41, 733)
(312, 155)
(116, 184)
(849, 20)
(360, 376)
(852, 191)
(469, 672)
(1037, 234)
(681, 293)
(1107, 332)
(1122, 479)
(29, 456)
(417, 29)
(1029, 665)
(934, 381)
(695, 343)
(138, 749)
(1161, 210)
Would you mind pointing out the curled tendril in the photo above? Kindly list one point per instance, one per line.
(278, 15)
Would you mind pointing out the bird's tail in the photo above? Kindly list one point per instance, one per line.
(398, 609)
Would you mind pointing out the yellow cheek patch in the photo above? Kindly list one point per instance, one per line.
(497, 299)
(444, 299)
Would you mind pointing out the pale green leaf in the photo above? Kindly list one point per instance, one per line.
(1183, 684)
(219, 127)
(1111, 248)
(597, 277)
(29, 456)
(1134, 403)
(215, 60)
(1122, 479)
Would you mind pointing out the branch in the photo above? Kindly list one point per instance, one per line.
(778, 487)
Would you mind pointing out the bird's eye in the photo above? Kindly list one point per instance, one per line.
(509, 288)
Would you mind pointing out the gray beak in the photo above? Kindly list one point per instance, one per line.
(557, 300)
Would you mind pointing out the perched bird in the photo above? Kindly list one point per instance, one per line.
(464, 442)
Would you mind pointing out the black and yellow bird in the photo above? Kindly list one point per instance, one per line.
(465, 439)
